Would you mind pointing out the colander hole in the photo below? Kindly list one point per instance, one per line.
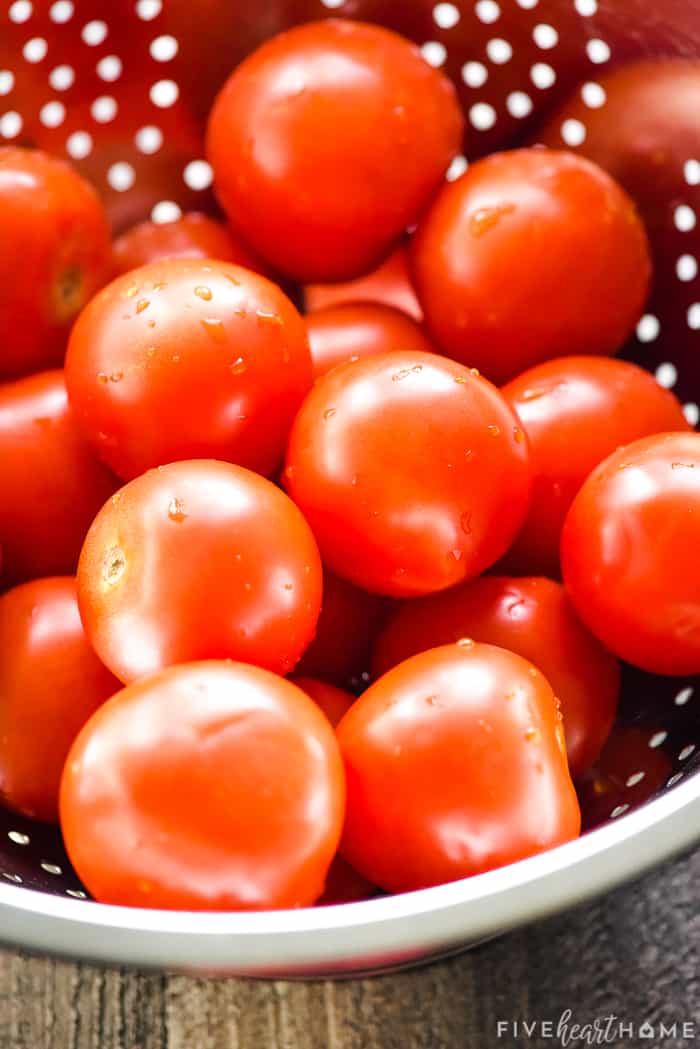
(52, 114)
(482, 116)
(691, 172)
(474, 74)
(77, 894)
(61, 12)
(487, 11)
(165, 211)
(593, 95)
(62, 77)
(94, 33)
(694, 316)
(20, 11)
(10, 124)
(446, 16)
(634, 779)
(573, 132)
(51, 868)
(332, 5)
(15, 878)
(527, 5)
(79, 145)
(164, 93)
(121, 176)
(542, 75)
(109, 68)
(667, 375)
(35, 49)
(457, 168)
(545, 36)
(434, 53)
(18, 837)
(692, 413)
(7, 81)
(148, 139)
(586, 8)
(104, 109)
(499, 51)
(683, 696)
(671, 782)
(648, 328)
(618, 811)
(519, 104)
(598, 51)
(198, 175)
(687, 268)
(686, 752)
(684, 218)
(147, 10)
(164, 48)
(657, 739)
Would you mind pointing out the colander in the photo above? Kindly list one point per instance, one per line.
(122, 89)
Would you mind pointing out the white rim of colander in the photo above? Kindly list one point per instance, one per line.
(426, 921)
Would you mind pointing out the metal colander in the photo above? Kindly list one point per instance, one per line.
(122, 89)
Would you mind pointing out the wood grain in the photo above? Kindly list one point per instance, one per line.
(636, 953)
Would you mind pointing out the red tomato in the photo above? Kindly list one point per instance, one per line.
(630, 553)
(213, 786)
(576, 411)
(334, 702)
(56, 253)
(455, 764)
(188, 359)
(530, 255)
(193, 236)
(631, 770)
(349, 622)
(532, 617)
(411, 471)
(389, 284)
(199, 560)
(51, 481)
(349, 331)
(50, 683)
(345, 885)
(327, 142)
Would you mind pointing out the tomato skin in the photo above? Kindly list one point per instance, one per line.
(308, 134)
(455, 764)
(629, 553)
(334, 702)
(51, 682)
(56, 253)
(236, 803)
(347, 627)
(532, 617)
(188, 359)
(349, 331)
(587, 274)
(192, 236)
(51, 481)
(199, 560)
(411, 471)
(576, 411)
(389, 284)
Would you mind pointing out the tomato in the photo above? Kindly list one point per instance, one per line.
(345, 885)
(193, 236)
(50, 683)
(212, 786)
(349, 331)
(455, 764)
(534, 618)
(56, 253)
(629, 553)
(349, 622)
(188, 359)
(334, 702)
(576, 411)
(52, 483)
(199, 560)
(309, 134)
(530, 255)
(411, 471)
(389, 284)
(632, 768)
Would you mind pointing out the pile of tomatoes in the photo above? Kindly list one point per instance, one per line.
(221, 519)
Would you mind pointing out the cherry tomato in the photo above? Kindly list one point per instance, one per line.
(349, 331)
(334, 702)
(345, 885)
(534, 618)
(389, 284)
(576, 411)
(212, 786)
(530, 255)
(630, 553)
(349, 622)
(56, 253)
(327, 142)
(455, 764)
(411, 471)
(199, 560)
(188, 359)
(50, 683)
(193, 236)
(52, 483)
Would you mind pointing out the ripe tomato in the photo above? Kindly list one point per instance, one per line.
(199, 560)
(345, 885)
(534, 618)
(327, 142)
(455, 764)
(50, 683)
(193, 236)
(212, 786)
(530, 255)
(56, 253)
(632, 768)
(630, 553)
(576, 411)
(389, 284)
(334, 702)
(411, 471)
(188, 359)
(349, 331)
(52, 483)
(349, 622)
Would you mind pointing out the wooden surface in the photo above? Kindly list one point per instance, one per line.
(636, 953)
